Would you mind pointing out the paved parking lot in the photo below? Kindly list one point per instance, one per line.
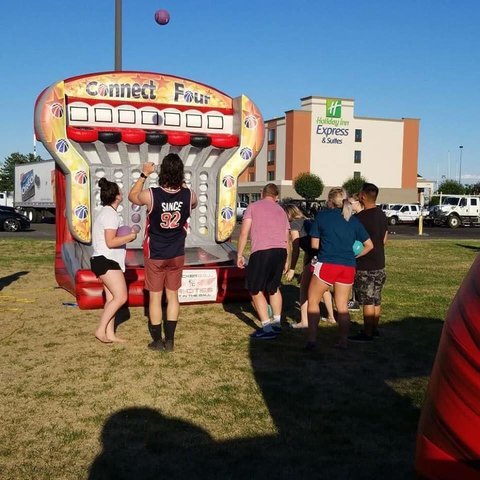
(45, 231)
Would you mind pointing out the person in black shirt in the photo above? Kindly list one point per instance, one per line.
(370, 275)
(169, 206)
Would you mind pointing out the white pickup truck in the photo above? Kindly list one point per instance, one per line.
(404, 213)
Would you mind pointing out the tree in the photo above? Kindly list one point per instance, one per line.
(7, 170)
(308, 185)
(452, 187)
(353, 185)
(473, 189)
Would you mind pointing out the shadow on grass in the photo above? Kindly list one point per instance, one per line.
(469, 247)
(338, 414)
(6, 281)
(245, 312)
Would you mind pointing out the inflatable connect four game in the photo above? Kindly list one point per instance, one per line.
(107, 125)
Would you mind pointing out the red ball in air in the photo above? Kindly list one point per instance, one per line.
(162, 17)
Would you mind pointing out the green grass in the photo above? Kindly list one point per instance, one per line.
(220, 406)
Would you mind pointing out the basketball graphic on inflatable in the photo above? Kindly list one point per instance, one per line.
(57, 110)
(81, 177)
(188, 96)
(228, 181)
(162, 17)
(251, 121)
(136, 218)
(62, 146)
(102, 90)
(227, 213)
(246, 153)
(81, 212)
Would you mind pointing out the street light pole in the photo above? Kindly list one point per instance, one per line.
(118, 35)
(460, 167)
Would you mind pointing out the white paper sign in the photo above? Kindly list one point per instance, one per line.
(198, 286)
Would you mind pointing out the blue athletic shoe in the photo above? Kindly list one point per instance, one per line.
(261, 334)
(276, 327)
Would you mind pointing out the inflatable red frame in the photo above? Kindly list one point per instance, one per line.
(448, 440)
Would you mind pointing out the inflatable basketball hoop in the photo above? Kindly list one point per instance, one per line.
(107, 125)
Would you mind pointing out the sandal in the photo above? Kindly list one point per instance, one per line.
(298, 325)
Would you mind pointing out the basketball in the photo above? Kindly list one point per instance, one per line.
(162, 17)
(357, 247)
(124, 230)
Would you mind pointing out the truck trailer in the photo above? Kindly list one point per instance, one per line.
(34, 190)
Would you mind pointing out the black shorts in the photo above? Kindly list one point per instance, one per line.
(101, 265)
(264, 270)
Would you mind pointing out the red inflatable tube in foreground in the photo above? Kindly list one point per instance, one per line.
(448, 440)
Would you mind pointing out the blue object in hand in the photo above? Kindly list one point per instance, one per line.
(357, 247)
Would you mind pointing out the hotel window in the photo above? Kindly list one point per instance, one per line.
(357, 156)
(251, 176)
(270, 175)
(271, 135)
(271, 157)
(358, 135)
(357, 175)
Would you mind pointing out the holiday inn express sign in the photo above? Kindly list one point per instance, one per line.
(331, 128)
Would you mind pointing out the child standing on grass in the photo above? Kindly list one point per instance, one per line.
(108, 260)
(299, 235)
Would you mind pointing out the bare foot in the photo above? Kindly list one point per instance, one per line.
(299, 325)
(102, 339)
(116, 340)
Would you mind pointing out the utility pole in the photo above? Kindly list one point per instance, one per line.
(460, 166)
(118, 35)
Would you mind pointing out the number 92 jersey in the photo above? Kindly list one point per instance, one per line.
(166, 227)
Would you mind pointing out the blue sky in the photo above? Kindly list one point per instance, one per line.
(416, 59)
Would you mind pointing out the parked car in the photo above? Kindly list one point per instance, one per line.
(241, 207)
(404, 213)
(12, 221)
(386, 206)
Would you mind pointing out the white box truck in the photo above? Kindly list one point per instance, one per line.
(34, 190)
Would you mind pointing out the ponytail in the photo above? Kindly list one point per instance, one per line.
(337, 198)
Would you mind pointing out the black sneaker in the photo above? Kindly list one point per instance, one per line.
(156, 345)
(169, 345)
(353, 305)
(360, 338)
